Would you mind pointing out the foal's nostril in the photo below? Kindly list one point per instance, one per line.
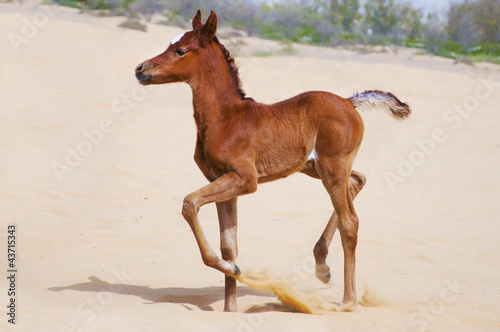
(139, 69)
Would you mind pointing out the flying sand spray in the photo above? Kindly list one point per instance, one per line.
(297, 299)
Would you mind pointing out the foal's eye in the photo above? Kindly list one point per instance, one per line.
(181, 51)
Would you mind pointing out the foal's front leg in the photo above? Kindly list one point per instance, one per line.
(228, 186)
(227, 213)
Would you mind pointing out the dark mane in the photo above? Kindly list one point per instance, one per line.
(233, 71)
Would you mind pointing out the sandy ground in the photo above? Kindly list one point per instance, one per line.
(94, 169)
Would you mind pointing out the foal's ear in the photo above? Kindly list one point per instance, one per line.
(210, 26)
(197, 21)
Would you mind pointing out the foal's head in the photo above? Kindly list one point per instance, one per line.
(185, 57)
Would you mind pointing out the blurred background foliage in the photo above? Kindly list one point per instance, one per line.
(467, 28)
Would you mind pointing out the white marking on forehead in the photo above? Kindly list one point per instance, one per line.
(177, 38)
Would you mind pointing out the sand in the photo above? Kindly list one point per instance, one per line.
(95, 167)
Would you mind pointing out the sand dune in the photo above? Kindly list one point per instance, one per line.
(94, 169)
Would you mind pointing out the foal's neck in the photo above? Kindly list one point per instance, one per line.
(214, 94)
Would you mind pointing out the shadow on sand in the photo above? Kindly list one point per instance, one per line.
(203, 297)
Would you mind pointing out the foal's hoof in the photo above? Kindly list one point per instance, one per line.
(237, 270)
(326, 279)
(348, 306)
(323, 273)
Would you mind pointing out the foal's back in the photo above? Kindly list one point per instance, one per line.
(286, 134)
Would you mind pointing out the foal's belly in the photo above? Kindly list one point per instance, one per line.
(279, 162)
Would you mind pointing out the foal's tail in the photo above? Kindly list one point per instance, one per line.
(375, 98)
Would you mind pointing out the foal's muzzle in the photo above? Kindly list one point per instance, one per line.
(140, 74)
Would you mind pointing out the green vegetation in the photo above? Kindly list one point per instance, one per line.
(288, 49)
(486, 58)
(264, 54)
(469, 28)
(71, 3)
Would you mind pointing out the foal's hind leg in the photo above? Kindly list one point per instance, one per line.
(335, 174)
(356, 183)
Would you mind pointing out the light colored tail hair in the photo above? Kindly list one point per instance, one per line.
(369, 99)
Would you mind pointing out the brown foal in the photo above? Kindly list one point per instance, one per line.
(241, 143)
